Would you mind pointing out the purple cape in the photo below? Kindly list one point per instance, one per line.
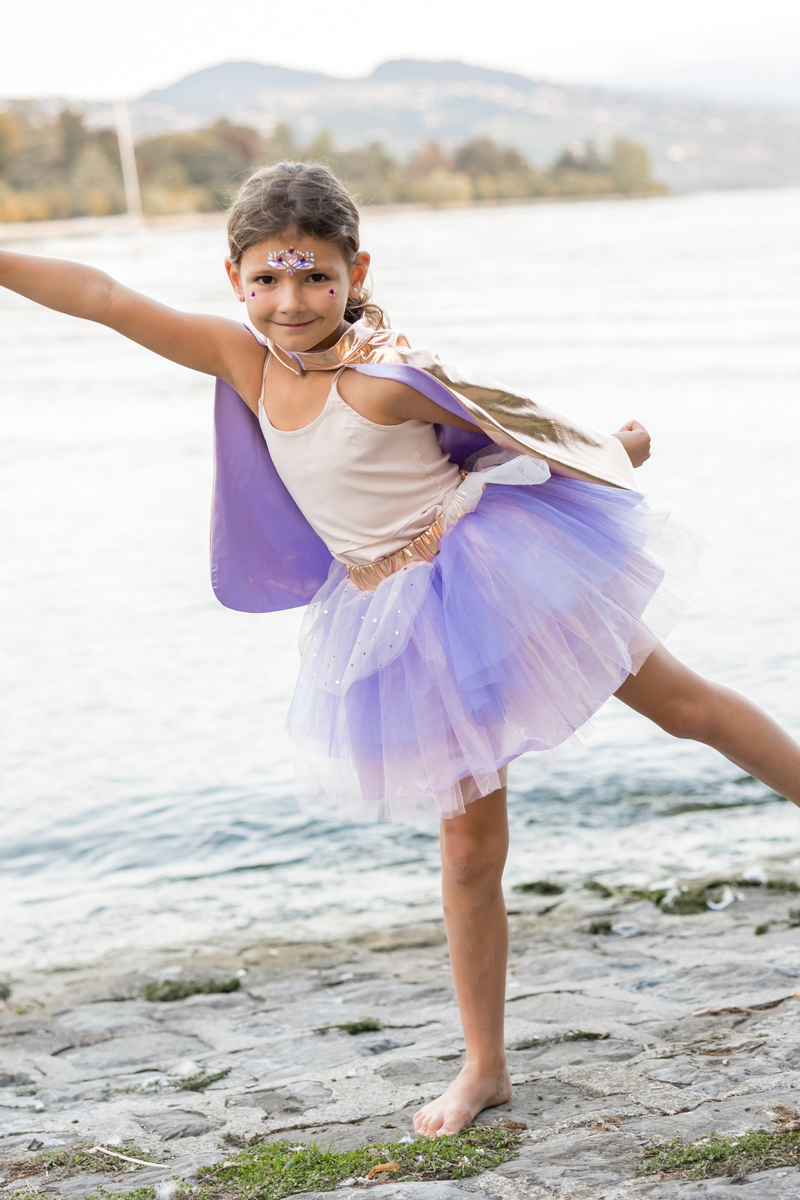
(264, 554)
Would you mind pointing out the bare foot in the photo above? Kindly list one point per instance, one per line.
(471, 1091)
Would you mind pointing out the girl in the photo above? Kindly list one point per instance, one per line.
(478, 566)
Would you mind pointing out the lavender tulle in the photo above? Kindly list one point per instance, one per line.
(413, 699)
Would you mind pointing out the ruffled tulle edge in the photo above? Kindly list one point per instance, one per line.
(320, 780)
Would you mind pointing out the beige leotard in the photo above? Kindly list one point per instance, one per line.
(366, 489)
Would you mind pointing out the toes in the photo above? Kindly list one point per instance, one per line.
(454, 1121)
(434, 1124)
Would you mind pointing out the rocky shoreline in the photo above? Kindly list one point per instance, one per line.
(696, 1025)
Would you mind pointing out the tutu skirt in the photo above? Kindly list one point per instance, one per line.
(545, 595)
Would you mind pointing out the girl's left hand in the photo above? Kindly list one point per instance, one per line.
(636, 441)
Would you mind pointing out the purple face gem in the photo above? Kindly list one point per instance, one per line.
(252, 294)
(290, 260)
(332, 292)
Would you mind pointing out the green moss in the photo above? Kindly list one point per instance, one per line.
(366, 1025)
(603, 925)
(688, 900)
(179, 989)
(591, 885)
(792, 921)
(142, 1193)
(272, 1171)
(734, 1156)
(540, 887)
(782, 885)
(572, 1035)
(200, 1081)
(5, 991)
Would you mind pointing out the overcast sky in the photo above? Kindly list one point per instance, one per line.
(93, 48)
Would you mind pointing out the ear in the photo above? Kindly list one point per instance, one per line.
(358, 272)
(236, 279)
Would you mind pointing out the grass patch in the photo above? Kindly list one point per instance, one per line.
(782, 885)
(733, 1156)
(539, 887)
(72, 1160)
(366, 1025)
(179, 989)
(272, 1171)
(572, 1035)
(200, 1081)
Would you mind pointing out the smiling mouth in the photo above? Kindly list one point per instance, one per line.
(294, 324)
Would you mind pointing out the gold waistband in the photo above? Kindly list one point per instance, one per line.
(423, 548)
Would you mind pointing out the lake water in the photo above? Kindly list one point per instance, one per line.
(146, 794)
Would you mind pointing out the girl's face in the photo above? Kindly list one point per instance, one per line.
(303, 310)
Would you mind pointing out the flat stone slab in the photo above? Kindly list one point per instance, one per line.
(177, 1123)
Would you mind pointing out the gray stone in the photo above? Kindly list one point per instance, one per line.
(421, 1070)
(145, 1051)
(296, 1099)
(437, 1190)
(106, 1017)
(177, 1123)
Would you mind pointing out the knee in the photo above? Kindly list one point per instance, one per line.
(689, 715)
(473, 862)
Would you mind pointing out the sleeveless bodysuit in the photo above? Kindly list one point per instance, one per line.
(366, 489)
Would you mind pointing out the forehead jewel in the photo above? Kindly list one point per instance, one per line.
(291, 260)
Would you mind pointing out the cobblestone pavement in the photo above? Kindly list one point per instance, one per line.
(700, 1022)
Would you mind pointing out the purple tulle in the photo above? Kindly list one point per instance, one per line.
(413, 698)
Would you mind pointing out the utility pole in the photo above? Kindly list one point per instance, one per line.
(130, 176)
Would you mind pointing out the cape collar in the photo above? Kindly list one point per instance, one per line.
(354, 346)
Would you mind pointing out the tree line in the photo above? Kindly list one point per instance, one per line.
(54, 166)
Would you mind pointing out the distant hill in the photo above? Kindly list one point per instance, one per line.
(449, 71)
(407, 102)
(232, 83)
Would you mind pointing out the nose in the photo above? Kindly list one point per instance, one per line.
(291, 296)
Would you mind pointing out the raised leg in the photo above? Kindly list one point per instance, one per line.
(474, 848)
(688, 706)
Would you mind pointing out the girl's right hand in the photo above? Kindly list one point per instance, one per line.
(636, 441)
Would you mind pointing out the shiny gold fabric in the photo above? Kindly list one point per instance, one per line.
(423, 548)
(514, 422)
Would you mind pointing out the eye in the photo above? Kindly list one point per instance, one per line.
(318, 277)
(265, 280)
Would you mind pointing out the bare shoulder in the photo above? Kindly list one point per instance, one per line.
(389, 402)
(244, 357)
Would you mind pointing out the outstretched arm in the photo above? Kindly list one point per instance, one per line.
(388, 402)
(212, 345)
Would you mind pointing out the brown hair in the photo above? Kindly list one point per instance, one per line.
(306, 198)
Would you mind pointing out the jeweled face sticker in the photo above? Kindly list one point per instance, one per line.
(252, 295)
(290, 260)
(332, 292)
